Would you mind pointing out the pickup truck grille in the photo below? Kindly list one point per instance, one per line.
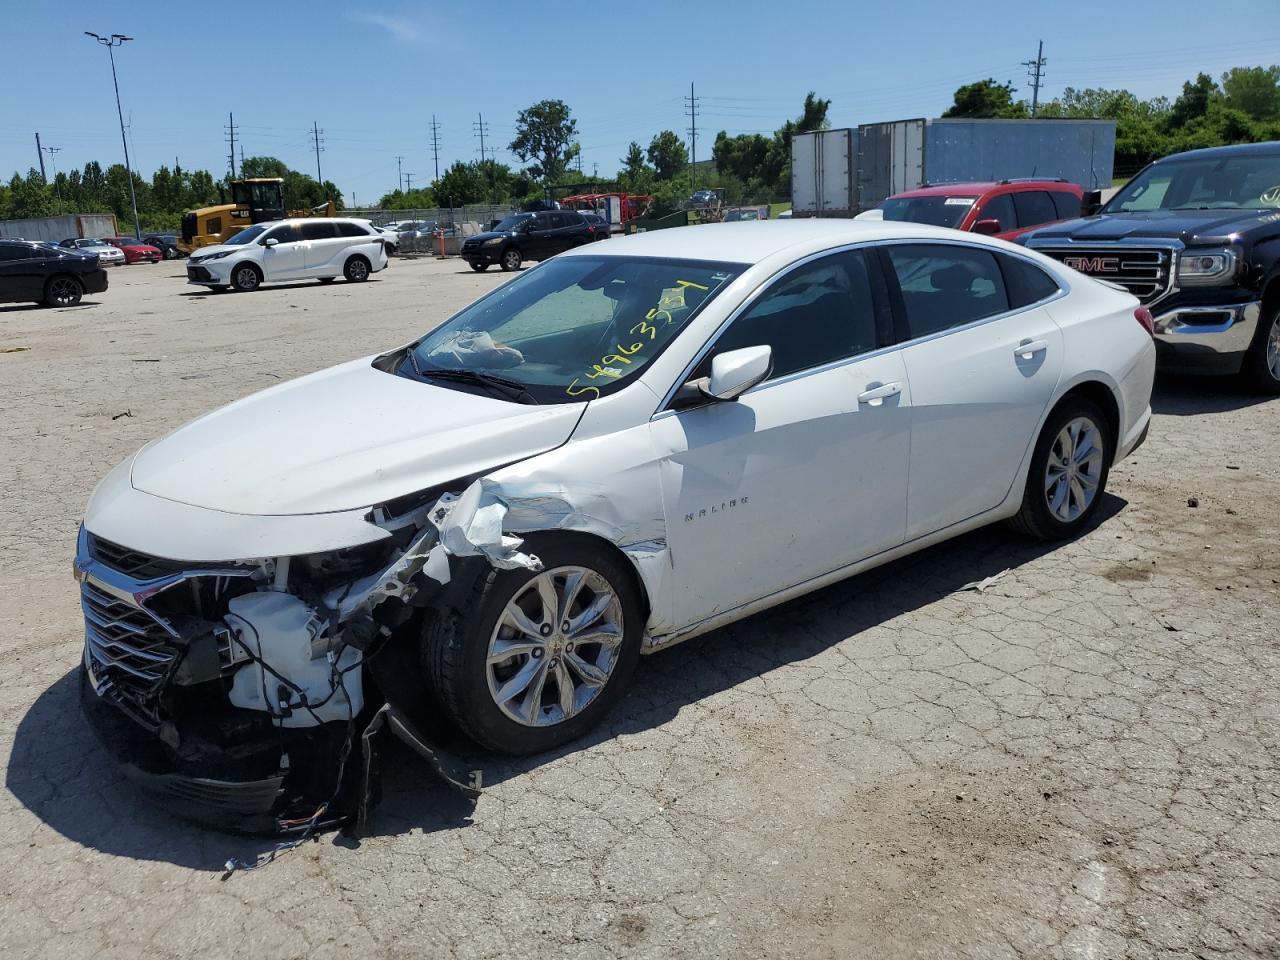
(1146, 272)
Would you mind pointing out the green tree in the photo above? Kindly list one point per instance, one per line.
(633, 165)
(461, 184)
(545, 134)
(1194, 101)
(668, 155)
(1254, 91)
(986, 98)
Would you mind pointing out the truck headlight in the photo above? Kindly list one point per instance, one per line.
(1205, 267)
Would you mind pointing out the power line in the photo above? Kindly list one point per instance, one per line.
(231, 139)
(691, 110)
(435, 145)
(1035, 70)
(319, 147)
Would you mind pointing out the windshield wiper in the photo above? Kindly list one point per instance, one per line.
(501, 386)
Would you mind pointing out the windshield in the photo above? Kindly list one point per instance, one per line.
(247, 235)
(511, 223)
(936, 211)
(1222, 183)
(574, 328)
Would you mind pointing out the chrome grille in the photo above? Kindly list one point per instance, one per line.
(127, 645)
(132, 563)
(1146, 272)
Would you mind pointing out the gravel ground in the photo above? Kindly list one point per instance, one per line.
(1080, 761)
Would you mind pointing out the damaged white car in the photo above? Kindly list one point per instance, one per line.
(629, 445)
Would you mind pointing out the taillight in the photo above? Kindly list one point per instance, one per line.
(1143, 316)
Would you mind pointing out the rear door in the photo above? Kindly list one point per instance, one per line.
(1035, 209)
(323, 246)
(983, 358)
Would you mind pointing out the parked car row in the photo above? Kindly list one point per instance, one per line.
(35, 272)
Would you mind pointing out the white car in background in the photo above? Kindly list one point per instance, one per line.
(631, 444)
(322, 248)
(108, 255)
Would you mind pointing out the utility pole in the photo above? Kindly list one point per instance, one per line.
(482, 128)
(231, 138)
(319, 146)
(408, 183)
(40, 155)
(1035, 70)
(116, 40)
(241, 158)
(53, 159)
(435, 145)
(691, 109)
(399, 175)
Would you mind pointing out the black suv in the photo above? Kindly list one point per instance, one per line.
(1195, 237)
(527, 236)
(166, 243)
(42, 274)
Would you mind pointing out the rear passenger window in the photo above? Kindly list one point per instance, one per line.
(1034, 207)
(1066, 204)
(351, 230)
(319, 230)
(818, 313)
(1027, 283)
(946, 285)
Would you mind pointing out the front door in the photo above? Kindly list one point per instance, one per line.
(288, 257)
(804, 473)
(983, 357)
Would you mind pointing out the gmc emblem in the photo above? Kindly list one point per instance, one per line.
(1093, 264)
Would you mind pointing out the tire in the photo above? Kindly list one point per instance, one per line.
(1050, 509)
(479, 267)
(63, 291)
(246, 278)
(456, 648)
(357, 269)
(1261, 368)
(511, 259)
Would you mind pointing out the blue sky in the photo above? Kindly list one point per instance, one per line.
(372, 74)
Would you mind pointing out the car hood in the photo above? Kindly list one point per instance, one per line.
(342, 439)
(1189, 226)
(487, 235)
(217, 248)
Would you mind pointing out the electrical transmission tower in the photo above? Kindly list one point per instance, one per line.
(481, 130)
(691, 111)
(435, 144)
(231, 139)
(1035, 70)
(319, 148)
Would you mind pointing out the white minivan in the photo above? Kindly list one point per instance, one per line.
(323, 248)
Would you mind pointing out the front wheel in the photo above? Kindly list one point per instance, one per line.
(356, 270)
(529, 661)
(1261, 368)
(245, 278)
(1068, 474)
(479, 267)
(63, 292)
(511, 259)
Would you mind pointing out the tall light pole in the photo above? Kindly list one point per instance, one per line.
(116, 40)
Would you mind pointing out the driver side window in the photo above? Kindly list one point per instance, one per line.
(819, 313)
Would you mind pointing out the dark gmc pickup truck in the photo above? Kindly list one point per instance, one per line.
(1196, 237)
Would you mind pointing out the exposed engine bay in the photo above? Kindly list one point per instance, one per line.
(255, 693)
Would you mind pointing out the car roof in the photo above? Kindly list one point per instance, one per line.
(752, 241)
(1268, 148)
(980, 187)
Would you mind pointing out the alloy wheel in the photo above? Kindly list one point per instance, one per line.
(358, 270)
(555, 646)
(1074, 469)
(1273, 347)
(63, 291)
(246, 278)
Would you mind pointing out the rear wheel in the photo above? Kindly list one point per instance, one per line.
(246, 278)
(1261, 367)
(63, 291)
(511, 259)
(1068, 472)
(356, 270)
(529, 661)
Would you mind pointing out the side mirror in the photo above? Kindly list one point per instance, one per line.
(1090, 203)
(732, 375)
(989, 227)
(270, 242)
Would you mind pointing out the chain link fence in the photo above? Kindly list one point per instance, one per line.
(419, 230)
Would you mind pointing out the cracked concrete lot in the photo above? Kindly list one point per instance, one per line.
(1081, 761)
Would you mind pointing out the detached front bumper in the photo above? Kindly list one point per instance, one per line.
(1206, 339)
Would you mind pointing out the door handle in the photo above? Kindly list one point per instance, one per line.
(876, 395)
(1029, 348)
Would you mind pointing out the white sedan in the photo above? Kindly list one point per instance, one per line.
(108, 255)
(629, 445)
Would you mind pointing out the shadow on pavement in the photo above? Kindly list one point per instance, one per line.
(57, 771)
(1188, 396)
